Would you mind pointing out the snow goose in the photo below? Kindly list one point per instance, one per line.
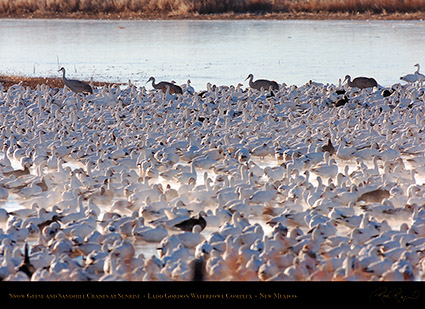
(341, 213)
(367, 153)
(149, 234)
(4, 215)
(413, 77)
(378, 268)
(191, 239)
(180, 253)
(262, 151)
(34, 189)
(186, 175)
(414, 196)
(18, 172)
(359, 236)
(346, 197)
(168, 245)
(264, 196)
(251, 234)
(418, 216)
(326, 170)
(379, 209)
(7, 266)
(69, 215)
(389, 152)
(4, 193)
(344, 152)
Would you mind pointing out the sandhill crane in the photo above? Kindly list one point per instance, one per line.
(173, 89)
(75, 85)
(361, 82)
(414, 77)
(262, 83)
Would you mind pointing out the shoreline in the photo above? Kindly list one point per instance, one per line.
(8, 81)
(322, 15)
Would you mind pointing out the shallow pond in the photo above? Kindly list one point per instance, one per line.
(221, 52)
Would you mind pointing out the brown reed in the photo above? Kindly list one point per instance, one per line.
(185, 7)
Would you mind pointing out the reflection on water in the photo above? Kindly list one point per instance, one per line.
(222, 52)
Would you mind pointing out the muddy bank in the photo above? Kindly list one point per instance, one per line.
(323, 15)
(32, 82)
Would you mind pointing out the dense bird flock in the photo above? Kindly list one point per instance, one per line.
(309, 182)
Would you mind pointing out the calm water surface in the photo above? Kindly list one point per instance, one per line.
(221, 52)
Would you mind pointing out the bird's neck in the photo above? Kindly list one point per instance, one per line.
(250, 80)
(349, 82)
(153, 83)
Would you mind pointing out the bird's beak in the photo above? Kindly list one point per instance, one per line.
(246, 78)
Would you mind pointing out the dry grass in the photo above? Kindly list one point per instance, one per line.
(143, 8)
(9, 80)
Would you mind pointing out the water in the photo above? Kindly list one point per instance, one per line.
(221, 52)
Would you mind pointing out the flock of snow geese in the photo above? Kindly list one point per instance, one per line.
(270, 182)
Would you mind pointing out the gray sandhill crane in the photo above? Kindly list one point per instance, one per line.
(173, 89)
(262, 83)
(361, 82)
(75, 85)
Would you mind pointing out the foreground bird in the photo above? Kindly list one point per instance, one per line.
(26, 266)
(75, 85)
(361, 82)
(262, 83)
(173, 89)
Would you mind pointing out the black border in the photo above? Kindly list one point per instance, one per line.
(179, 293)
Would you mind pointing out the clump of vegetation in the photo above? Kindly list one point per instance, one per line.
(185, 7)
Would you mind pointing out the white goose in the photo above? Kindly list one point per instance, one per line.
(149, 234)
(329, 169)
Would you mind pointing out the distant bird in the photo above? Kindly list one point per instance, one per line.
(188, 224)
(17, 173)
(387, 92)
(75, 85)
(375, 196)
(341, 101)
(414, 77)
(262, 83)
(361, 82)
(329, 147)
(173, 89)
